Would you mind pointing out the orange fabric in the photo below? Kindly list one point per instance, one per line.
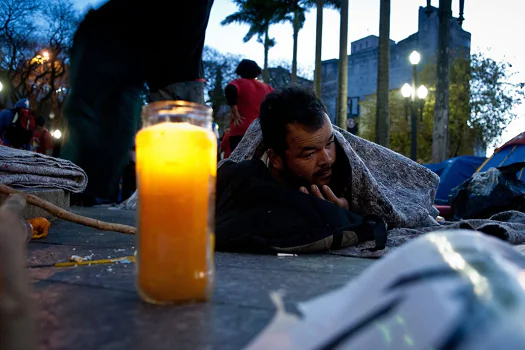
(40, 227)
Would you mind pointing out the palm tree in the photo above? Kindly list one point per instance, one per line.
(298, 8)
(319, 38)
(259, 15)
(383, 75)
(342, 80)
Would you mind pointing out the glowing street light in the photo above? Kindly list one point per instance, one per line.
(1, 86)
(41, 58)
(406, 90)
(422, 92)
(414, 57)
(57, 134)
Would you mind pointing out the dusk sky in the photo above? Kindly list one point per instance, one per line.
(495, 26)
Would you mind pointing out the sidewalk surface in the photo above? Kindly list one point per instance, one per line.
(97, 307)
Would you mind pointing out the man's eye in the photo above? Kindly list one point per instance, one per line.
(308, 155)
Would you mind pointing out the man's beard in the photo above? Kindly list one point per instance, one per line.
(292, 180)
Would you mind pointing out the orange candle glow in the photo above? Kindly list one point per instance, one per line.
(176, 170)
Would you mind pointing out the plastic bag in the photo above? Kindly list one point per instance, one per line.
(488, 193)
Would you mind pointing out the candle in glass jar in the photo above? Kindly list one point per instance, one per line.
(176, 170)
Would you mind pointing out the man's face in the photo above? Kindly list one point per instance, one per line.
(309, 157)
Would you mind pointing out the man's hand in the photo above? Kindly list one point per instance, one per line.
(237, 120)
(328, 195)
(235, 116)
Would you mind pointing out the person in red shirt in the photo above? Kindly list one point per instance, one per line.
(41, 142)
(244, 96)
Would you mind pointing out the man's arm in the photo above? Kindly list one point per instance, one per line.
(232, 94)
(236, 117)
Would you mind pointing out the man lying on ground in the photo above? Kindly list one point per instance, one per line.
(298, 201)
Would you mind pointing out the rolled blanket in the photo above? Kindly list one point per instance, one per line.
(21, 168)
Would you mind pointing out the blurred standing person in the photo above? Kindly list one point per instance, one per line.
(116, 50)
(42, 142)
(244, 96)
(17, 125)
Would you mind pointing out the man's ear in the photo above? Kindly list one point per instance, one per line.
(276, 161)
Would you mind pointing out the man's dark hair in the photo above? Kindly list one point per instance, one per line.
(290, 105)
(248, 69)
(40, 121)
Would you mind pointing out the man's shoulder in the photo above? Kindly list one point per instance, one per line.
(235, 176)
(245, 165)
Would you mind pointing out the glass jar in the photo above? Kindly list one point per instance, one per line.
(176, 160)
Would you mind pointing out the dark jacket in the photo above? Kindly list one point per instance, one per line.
(256, 214)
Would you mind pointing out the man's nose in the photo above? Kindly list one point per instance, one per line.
(325, 158)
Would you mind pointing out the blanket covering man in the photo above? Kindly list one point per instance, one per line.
(254, 213)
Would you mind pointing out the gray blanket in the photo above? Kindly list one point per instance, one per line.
(384, 182)
(20, 168)
(508, 226)
(397, 189)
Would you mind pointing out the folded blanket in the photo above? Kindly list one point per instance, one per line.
(21, 168)
(384, 182)
(508, 226)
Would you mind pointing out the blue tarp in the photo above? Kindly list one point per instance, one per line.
(452, 173)
(505, 156)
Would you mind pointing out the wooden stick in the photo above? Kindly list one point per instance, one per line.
(67, 215)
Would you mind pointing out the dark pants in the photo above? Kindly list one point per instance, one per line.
(234, 142)
(129, 181)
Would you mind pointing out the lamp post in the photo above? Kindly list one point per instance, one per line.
(414, 60)
(413, 96)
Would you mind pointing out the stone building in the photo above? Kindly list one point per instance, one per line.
(362, 62)
(280, 77)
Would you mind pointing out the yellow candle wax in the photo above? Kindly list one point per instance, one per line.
(176, 170)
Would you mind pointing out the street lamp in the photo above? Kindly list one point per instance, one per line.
(414, 57)
(422, 92)
(41, 58)
(1, 86)
(406, 90)
(412, 94)
(413, 99)
(57, 134)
